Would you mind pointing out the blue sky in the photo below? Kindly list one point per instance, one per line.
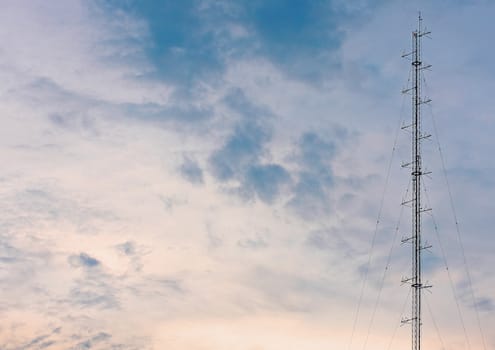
(207, 174)
(191, 39)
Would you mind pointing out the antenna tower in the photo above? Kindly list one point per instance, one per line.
(416, 174)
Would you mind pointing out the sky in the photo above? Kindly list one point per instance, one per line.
(208, 174)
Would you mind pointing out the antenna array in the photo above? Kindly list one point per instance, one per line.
(416, 174)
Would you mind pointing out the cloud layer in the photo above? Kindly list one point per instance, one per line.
(183, 175)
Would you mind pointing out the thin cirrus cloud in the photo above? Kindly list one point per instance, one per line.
(183, 175)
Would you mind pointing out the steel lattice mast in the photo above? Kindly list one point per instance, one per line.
(416, 175)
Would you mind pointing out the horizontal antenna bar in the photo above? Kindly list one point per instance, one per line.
(421, 101)
(407, 320)
(407, 54)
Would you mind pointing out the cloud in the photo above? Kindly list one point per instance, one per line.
(191, 171)
(176, 113)
(240, 160)
(237, 101)
(99, 338)
(8, 253)
(312, 194)
(485, 304)
(244, 158)
(93, 292)
(127, 248)
(329, 240)
(266, 181)
(301, 293)
(42, 341)
(84, 260)
(254, 243)
(242, 148)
